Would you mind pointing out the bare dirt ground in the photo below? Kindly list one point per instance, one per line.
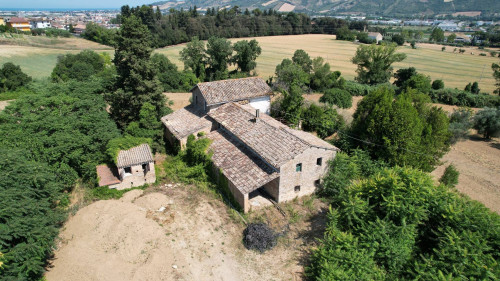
(478, 162)
(193, 238)
(4, 104)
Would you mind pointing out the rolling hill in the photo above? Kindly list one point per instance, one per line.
(364, 7)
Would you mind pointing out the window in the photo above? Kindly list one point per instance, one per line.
(297, 188)
(298, 167)
(128, 170)
(319, 161)
(195, 99)
(317, 183)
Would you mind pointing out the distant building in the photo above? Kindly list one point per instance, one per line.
(40, 23)
(2, 22)
(134, 167)
(79, 28)
(20, 24)
(448, 26)
(375, 36)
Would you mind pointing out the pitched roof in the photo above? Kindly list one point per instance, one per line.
(233, 90)
(107, 175)
(135, 156)
(268, 138)
(18, 20)
(245, 170)
(185, 121)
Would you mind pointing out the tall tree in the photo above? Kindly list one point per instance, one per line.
(194, 57)
(437, 35)
(496, 74)
(137, 82)
(302, 59)
(375, 62)
(246, 54)
(219, 51)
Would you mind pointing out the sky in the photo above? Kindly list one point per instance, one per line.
(70, 4)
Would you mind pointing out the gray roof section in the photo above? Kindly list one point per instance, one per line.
(135, 156)
(233, 90)
(185, 121)
(272, 141)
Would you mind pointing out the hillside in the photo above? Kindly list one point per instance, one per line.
(366, 7)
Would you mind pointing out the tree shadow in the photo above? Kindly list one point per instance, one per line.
(312, 235)
(491, 142)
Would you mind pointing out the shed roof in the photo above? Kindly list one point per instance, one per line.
(271, 140)
(233, 89)
(185, 121)
(135, 156)
(240, 166)
(107, 175)
(18, 20)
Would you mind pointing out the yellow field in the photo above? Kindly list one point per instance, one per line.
(38, 57)
(455, 69)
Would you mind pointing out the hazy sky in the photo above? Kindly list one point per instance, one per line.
(71, 3)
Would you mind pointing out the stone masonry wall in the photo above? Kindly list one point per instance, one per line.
(311, 172)
(137, 178)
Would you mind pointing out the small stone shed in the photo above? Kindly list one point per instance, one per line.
(134, 167)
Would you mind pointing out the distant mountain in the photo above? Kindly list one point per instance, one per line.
(364, 7)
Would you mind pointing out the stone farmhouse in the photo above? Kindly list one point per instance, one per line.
(260, 157)
(375, 36)
(134, 167)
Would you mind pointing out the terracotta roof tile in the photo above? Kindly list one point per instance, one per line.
(268, 138)
(233, 90)
(246, 171)
(107, 175)
(185, 121)
(135, 156)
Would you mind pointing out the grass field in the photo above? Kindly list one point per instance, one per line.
(455, 69)
(37, 56)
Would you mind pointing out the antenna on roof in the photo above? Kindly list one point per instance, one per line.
(257, 114)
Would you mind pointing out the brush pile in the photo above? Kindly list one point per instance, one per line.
(258, 236)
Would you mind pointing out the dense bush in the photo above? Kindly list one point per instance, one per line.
(463, 98)
(12, 77)
(357, 89)
(437, 84)
(80, 66)
(49, 139)
(460, 124)
(398, 225)
(338, 97)
(450, 176)
(487, 122)
(401, 130)
(324, 120)
(114, 146)
(398, 39)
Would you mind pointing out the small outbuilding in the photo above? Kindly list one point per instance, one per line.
(134, 167)
(375, 36)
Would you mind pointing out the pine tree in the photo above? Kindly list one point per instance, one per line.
(137, 82)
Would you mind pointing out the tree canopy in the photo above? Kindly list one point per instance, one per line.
(246, 54)
(12, 77)
(375, 63)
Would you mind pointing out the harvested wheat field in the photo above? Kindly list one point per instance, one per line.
(174, 232)
(180, 100)
(456, 70)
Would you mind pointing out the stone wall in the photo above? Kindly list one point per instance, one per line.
(198, 101)
(137, 177)
(306, 179)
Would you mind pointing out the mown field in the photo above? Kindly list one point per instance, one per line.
(37, 57)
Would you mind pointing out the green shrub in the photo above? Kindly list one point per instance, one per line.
(338, 97)
(437, 84)
(324, 120)
(463, 98)
(450, 176)
(487, 122)
(123, 143)
(12, 77)
(460, 124)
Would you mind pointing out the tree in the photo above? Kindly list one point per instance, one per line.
(322, 77)
(302, 59)
(12, 77)
(401, 131)
(193, 56)
(219, 51)
(291, 105)
(137, 82)
(170, 78)
(451, 38)
(475, 88)
(246, 54)
(324, 120)
(450, 176)
(496, 74)
(345, 34)
(487, 122)
(419, 82)
(404, 74)
(289, 73)
(412, 44)
(338, 97)
(460, 124)
(80, 66)
(398, 39)
(437, 84)
(437, 35)
(375, 62)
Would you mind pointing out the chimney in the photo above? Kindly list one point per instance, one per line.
(257, 115)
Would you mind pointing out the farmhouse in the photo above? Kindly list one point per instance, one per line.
(375, 36)
(20, 24)
(257, 156)
(134, 167)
